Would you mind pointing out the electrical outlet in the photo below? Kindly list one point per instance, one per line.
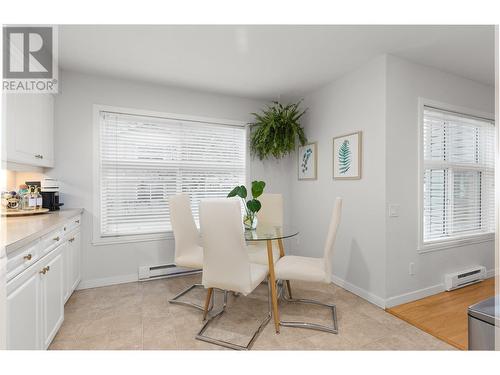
(411, 269)
(393, 210)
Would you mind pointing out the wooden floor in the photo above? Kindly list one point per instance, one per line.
(444, 315)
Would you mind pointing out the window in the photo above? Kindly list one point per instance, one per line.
(145, 159)
(458, 176)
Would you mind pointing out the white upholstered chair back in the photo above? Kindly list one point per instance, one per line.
(185, 231)
(225, 259)
(271, 212)
(330, 239)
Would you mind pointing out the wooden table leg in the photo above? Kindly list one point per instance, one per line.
(272, 280)
(207, 302)
(282, 254)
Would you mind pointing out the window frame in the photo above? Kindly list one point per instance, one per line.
(459, 241)
(97, 238)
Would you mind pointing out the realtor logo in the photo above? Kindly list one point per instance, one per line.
(29, 59)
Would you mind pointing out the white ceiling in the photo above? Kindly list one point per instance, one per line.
(268, 61)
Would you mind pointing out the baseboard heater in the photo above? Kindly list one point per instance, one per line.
(463, 278)
(164, 271)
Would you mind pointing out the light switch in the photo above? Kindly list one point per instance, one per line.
(393, 210)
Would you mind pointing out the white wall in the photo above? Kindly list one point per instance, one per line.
(73, 159)
(406, 82)
(354, 102)
(373, 251)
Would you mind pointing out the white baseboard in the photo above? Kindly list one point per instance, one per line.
(422, 293)
(414, 295)
(106, 281)
(370, 297)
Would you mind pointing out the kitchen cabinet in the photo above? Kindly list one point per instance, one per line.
(30, 129)
(37, 291)
(35, 308)
(23, 309)
(3, 300)
(52, 298)
(76, 251)
(72, 261)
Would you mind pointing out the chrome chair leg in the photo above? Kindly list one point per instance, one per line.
(318, 327)
(228, 344)
(176, 300)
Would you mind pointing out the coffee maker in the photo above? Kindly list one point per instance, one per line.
(50, 194)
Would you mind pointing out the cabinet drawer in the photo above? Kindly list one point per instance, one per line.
(51, 240)
(22, 259)
(73, 223)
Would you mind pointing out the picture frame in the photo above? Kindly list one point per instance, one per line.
(347, 156)
(307, 161)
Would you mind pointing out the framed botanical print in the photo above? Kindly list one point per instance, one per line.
(307, 163)
(347, 156)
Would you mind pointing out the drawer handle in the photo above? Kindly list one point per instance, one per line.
(77, 221)
(38, 156)
(56, 238)
(44, 270)
(71, 239)
(28, 257)
(64, 228)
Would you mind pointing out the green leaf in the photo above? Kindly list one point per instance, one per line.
(242, 192)
(234, 192)
(254, 205)
(344, 157)
(258, 188)
(276, 130)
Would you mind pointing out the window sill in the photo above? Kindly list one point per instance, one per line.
(459, 242)
(102, 241)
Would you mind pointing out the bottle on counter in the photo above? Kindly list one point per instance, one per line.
(23, 196)
(38, 197)
(31, 198)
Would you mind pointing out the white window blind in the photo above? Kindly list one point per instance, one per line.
(144, 160)
(458, 191)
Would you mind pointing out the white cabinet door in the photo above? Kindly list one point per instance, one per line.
(52, 298)
(45, 146)
(68, 270)
(77, 259)
(30, 129)
(3, 301)
(23, 314)
(72, 260)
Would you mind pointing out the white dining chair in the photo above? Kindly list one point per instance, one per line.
(188, 252)
(225, 264)
(270, 214)
(301, 268)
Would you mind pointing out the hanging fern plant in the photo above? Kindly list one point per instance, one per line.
(276, 131)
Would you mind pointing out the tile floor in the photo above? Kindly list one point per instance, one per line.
(138, 316)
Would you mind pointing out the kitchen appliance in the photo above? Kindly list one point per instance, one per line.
(51, 200)
(50, 194)
(484, 323)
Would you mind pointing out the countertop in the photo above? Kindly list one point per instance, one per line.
(21, 230)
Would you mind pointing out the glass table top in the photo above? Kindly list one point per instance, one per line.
(270, 232)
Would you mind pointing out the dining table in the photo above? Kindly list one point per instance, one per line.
(270, 233)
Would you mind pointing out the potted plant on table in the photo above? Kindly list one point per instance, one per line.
(252, 206)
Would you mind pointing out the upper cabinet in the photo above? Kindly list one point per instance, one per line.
(30, 129)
